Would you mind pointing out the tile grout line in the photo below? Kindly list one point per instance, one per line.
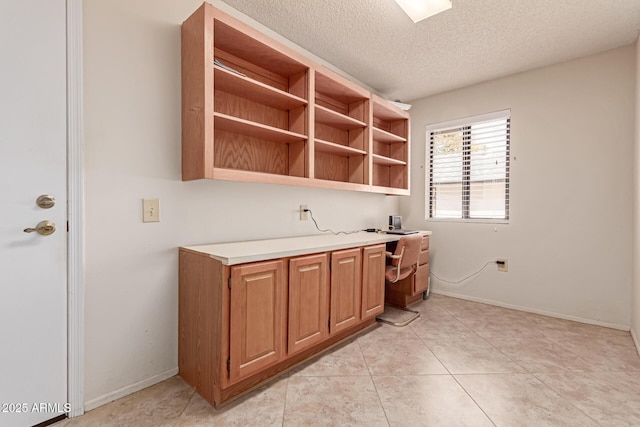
(485, 339)
(193, 394)
(456, 380)
(553, 390)
(284, 404)
(452, 376)
(473, 400)
(384, 411)
(431, 351)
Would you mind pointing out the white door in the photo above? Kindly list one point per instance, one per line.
(33, 267)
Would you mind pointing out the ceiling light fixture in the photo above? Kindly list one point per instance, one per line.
(422, 9)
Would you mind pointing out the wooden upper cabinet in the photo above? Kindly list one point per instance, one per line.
(346, 273)
(390, 148)
(341, 129)
(244, 101)
(373, 266)
(257, 317)
(256, 110)
(308, 301)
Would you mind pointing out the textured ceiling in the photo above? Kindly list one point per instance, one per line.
(477, 40)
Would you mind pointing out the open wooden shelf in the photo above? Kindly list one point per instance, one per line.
(386, 137)
(249, 45)
(341, 150)
(255, 130)
(387, 161)
(245, 87)
(232, 174)
(340, 121)
(390, 147)
(334, 87)
(386, 111)
(341, 130)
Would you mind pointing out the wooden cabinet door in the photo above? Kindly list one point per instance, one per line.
(373, 265)
(308, 301)
(346, 267)
(257, 318)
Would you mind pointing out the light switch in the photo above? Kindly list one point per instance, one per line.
(150, 210)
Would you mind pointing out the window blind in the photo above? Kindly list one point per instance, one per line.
(469, 168)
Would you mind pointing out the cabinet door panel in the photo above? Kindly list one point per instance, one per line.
(373, 281)
(256, 316)
(308, 301)
(346, 267)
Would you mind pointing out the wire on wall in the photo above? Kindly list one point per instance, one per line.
(460, 282)
(329, 230)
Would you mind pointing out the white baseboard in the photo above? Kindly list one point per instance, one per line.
(535, 311)
(635, 341)
(125, 391)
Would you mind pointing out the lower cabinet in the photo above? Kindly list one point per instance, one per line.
(346, 271)
(257, 315)
(240, 325)
(308, 302)
(374, 260)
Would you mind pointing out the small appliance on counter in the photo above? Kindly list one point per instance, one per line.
(395, 226)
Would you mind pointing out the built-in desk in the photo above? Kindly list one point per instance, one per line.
(251, 310)
(233, 253)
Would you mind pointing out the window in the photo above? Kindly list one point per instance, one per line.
(469, 168)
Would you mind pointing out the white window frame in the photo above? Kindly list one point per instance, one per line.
(459, 123)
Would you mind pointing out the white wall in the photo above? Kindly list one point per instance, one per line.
(132, 151)
(635, 294)
(569, 239)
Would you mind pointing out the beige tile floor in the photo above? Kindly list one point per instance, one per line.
(460, 364)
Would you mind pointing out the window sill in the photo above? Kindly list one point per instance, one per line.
(470, 221)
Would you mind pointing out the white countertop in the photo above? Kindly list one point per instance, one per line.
(259, 250)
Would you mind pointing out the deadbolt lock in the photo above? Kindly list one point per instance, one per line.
(44, 227)
(46, 201)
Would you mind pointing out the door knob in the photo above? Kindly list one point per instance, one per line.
(44, 227)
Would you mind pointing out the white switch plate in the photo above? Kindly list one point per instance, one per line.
(150, 210)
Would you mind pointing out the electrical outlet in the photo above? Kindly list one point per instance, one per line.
(503, 265)
(150, 210)
(304, 215)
